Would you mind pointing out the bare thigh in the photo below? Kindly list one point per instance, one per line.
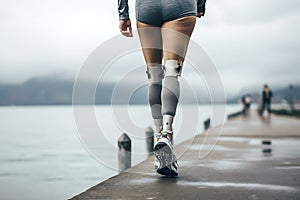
(151, 41)
(169, 42)
(176, 36)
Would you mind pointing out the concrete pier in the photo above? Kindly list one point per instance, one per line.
(253, 158)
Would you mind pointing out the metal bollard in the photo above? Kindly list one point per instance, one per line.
(206, 124)
(124, 155)
(266, 142)
(149, 141)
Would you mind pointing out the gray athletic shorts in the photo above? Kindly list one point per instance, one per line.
(156, 12)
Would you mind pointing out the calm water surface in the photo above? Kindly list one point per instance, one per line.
(43, 157)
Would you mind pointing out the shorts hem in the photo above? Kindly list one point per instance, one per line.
(182, 16)
(152, 24)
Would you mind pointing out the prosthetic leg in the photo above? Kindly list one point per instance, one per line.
(170, 95)
(167, 162)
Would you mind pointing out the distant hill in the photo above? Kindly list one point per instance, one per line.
(37, 92)
(50, 91)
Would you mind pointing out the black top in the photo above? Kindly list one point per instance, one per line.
(267, 95)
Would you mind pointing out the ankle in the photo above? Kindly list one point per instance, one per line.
(157, 136)
(167, 122)
(168, 134)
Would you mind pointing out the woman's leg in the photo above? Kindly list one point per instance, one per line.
(151, 42)
(176, 36)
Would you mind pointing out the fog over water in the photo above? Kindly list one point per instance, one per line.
(250, 42)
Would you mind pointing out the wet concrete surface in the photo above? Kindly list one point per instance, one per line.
(239, 164)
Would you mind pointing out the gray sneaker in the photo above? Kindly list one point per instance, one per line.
(157, 137)
(166, 161)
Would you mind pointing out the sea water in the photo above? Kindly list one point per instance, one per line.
(45, 155)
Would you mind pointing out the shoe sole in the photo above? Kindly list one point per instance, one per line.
(165, 157)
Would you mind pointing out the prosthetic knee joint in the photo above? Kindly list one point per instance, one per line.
(155, 74)
(172, 68)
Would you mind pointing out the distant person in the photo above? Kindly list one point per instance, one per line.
(161, 25)
(291, 98)
(266, 99)
(246, 101)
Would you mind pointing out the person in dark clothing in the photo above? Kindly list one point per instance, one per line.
(266, 99)
(246, 101)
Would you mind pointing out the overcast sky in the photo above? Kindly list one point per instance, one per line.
(250, 41)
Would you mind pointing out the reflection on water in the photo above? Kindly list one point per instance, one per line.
(266, 118)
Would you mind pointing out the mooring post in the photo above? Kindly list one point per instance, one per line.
(124, 155)
(149, 141)
(206, 124)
